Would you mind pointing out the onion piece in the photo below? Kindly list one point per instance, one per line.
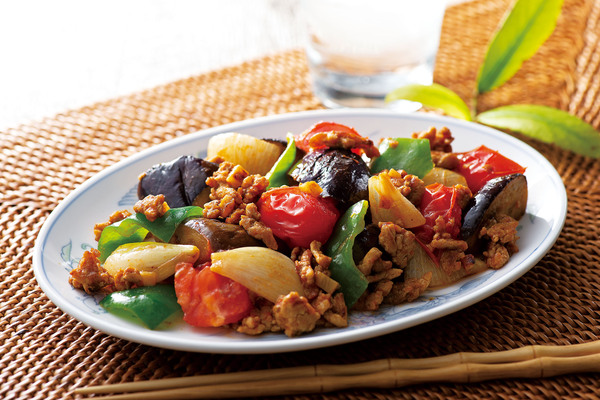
(421, 263)
(444, 176)
(263, 271)
(154, 261)
(387, 204)
(257, 156)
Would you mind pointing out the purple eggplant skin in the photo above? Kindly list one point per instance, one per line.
(341, 174)
(505, 195)
(180, 180)
(210, 235)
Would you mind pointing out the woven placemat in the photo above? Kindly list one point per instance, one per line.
(44, 353)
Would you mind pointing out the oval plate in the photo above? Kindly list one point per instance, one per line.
(68, 232)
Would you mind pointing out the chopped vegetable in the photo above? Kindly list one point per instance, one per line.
(278, 175)
(439, 201)
(257, 156)
(210, 235)
(266, 272)
(505, 195)
(482, 164)
(343, 269)
(182, 181)
(444, 176)
(152, 306)
(341, 174)
(313, 139)
(424, 261)
(135, 228)
(209, 299)
(410, 155)
(297, 217)
(389, 205)
(153, 261)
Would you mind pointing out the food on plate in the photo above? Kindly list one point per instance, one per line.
(289, 236)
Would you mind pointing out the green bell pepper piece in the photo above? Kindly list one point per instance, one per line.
(339, 247)
(410, 155)
(148, 305)
(135, 228)
(277, 176)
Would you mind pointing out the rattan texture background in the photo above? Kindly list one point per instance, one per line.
(45, 353)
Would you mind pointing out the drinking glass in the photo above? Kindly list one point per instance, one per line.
(360, 50)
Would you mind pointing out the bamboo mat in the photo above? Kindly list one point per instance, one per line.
(45, 353)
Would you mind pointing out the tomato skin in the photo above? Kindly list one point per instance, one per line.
(302, 140)
(482, 164)
(439, 200)
(209, 299)
(297, 217)
(363, 145)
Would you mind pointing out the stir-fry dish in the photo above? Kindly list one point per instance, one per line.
(287, 236)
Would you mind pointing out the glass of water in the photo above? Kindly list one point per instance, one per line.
(360, 50)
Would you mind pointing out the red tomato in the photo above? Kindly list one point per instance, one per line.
(209, 299)
(439, 200)
(482, 164)
(363, 144)
(297, 217)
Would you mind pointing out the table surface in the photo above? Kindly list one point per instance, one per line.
(63, 56)
(66, 54)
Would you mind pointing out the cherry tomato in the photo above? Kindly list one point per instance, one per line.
(482, 164)
(209, 299)
(439, 200)
(363, 145)
(297, 217)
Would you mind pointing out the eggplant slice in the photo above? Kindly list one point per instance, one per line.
(180, 180)
(341, 174)
(505, 195)
(210, 235)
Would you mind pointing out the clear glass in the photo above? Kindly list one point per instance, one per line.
(360, 50)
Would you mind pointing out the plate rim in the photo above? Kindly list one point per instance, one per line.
(302, 342)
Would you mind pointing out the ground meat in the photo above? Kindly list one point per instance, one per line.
(152, 207)
(444, 160)
(463, 195)
(231, 190)
(372, 298)
(128, 279)
(337, 315)
(409, 290)
(410, 186)
(321, 259)
(90, 276)
(294, 314)
(496, 255)
(450, 251)
(115, 217)
(307, 274)
(502, 236)
(371, 259)
(398, 242)
(251, 224)
(259, 321)
(344, 140)
(439, 139)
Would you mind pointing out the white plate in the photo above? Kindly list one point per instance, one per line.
(68, 232)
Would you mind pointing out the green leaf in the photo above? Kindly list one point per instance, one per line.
(433, 96)
(546, 124)
(410, 155)
(525, 29)
(135, 228)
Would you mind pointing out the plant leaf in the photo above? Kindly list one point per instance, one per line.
(546, 124)
(432, 96)
(524, 30)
